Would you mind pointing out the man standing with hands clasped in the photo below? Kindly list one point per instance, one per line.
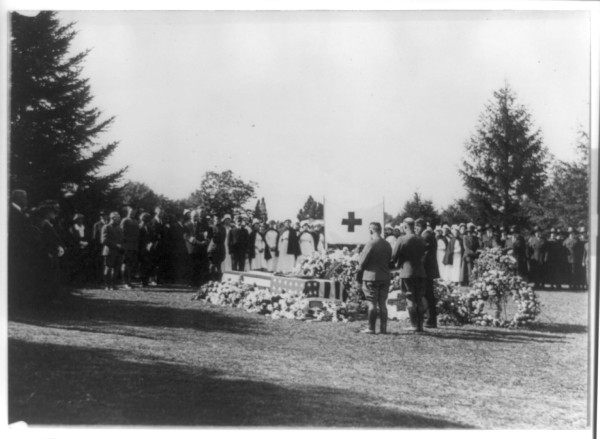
(374, 263)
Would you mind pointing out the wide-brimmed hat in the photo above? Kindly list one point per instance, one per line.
(226, 217)
(78, 216)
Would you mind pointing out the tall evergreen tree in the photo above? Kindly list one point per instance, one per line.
(53, 127)
(505, 162)
(419, 208)
(565, 199)
(312, 209)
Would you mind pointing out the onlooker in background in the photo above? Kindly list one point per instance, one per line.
(271, 239)
(146, 243)
(52, 248)
(19, 250)
(196, 240)
(96, 248)
(131, 236)
(537, 252)
(442, 244)
(432, 271)
(238, 245)
(453, 258)
(470, 248)
(81, 266)
(374, 263)
(112, 250)
(409, 255)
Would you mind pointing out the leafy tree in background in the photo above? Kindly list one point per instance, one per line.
(312, 210)
(505, 162)
(419, 208)
(53, 127)
(460, 211)
(565, 200)
(221, 193)
(260, 211)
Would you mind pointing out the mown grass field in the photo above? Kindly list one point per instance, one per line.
(157, 358)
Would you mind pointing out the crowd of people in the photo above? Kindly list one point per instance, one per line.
(134, 248)
(420, 254)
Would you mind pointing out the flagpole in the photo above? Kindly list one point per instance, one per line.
(324, 225)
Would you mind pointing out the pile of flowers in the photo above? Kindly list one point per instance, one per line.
(485, 301)
(263, 301)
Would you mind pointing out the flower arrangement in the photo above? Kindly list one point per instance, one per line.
(495, 280)
(266, 302)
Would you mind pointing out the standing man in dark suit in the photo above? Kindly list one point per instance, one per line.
(196, 241)
(238, 245)
(432, 270)
(52, 248)
(216, 248)
(131, 236)
(374, 262)
(409, 255)
(112, 250)
(19, 249)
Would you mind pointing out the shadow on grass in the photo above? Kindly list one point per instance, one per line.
(558, 328)
(88, 313)
(494, 336)
(52, 384)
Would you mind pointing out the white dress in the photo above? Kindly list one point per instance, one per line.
(321, 246)
(441, 251)
(259, 262)
(226, 265)
(271, 239)
(307, 244)
(286, 262)
(456, 266)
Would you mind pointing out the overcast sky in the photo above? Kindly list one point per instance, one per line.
(356, 106)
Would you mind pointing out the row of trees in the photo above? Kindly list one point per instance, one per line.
(509, 176)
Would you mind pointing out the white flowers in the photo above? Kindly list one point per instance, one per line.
(276, 305)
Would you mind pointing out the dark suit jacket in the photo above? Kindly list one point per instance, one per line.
(374, 260)
(112, 238)
(409, 256)
(216, 249)
(50, 239)
(238, 241)
(195, 231)
(470, 245)
(430, 264)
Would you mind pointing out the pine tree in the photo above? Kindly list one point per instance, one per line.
(506, 163)
(53, 127)
(312, 210)
(419, 208)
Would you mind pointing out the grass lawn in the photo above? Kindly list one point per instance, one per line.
(157, 358)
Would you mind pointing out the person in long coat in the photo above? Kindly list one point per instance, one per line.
(272, 240)
(432, 271)
(258, 250)
(288, 248)
(453, 257)
(442, 243)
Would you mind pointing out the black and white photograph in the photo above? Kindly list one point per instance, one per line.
(376, 218)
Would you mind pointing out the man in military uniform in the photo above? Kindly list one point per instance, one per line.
(471, 246)
(537, 252)
(408, 255)
(432, 271)
(574, 248)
